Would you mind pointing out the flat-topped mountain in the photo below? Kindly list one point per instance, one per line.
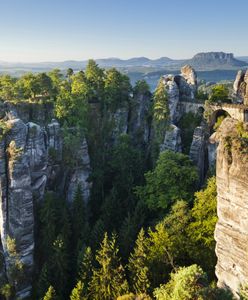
(207, 60)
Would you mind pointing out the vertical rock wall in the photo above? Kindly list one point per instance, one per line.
(31, 163)
(231, 232)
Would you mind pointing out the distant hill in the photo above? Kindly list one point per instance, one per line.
(215, 60)
(211, 66)
(243, 58)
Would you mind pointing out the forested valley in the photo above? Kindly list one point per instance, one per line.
(146, 229)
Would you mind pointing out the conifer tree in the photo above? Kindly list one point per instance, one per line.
(137, 266)
(50, 294)
(77, 292)
(79, 220)
(85, 268)
(44, 280)
(108, 280)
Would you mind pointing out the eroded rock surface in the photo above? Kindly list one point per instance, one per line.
(31, 163)
(240, 86)
(172, 140)
(231, 232)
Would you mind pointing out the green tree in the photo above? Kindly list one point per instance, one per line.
(220, 93)
(69, 72)
(7, 87)
(159, 254)
(50, 294)
(176, 224)
(95, 77)
(138, 265)
(185, 284)
(131, 227)
(85, 266)
(173, 178)
(201, 229)
(117, 88)
(77, 292)
(161, 107)
(44, 84)
(79, 219)
(161, 112)
(141, 86)
(7, 291)
(108, 281)
(28, 86)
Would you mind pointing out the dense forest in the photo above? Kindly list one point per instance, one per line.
(147, 230)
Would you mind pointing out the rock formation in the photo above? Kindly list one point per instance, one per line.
(139, 125)
(30, 163)
(240, 87)
(172, 140)
(180, 89)
(231, 232)
(198, 150)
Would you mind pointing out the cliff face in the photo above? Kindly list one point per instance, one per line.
(240, 87)
(180, 89)
(231, 232)
(27, 170)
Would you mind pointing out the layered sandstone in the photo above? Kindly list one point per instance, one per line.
(231, 232)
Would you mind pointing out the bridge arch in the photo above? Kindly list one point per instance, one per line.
(216, 115)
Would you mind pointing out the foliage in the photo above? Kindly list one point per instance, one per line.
(173, 178)
(108, 280)
(138, 265)
(185, 284)
(219, 93)
(50, 294)
(187, 125)
(201, 228)
(7, 291)
(242, 131)
(117, 88)
(141, 87)
(77, 292)
(218, 122)
(243, 293)
(161, 111)
(85, 268)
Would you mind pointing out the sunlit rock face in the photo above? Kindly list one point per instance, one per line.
(231, 232)
(240, 87)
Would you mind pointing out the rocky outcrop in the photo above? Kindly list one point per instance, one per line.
(139, 124)
(172, 140)
(31, 163)
(240, 87)
(80, 176)
(231, 231)
(198, 151)
(180, 90)
(23, 177)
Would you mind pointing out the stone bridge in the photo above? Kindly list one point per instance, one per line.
(235, 111)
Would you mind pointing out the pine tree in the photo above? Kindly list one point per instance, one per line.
(50, 294)
(108, 281)
(44, 280)
(137, 266)
(79, 221)
(97, 233)
(85, 268)
(77, 292)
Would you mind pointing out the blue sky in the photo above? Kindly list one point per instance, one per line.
(55, 30)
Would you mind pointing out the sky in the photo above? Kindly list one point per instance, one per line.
(57, 30)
